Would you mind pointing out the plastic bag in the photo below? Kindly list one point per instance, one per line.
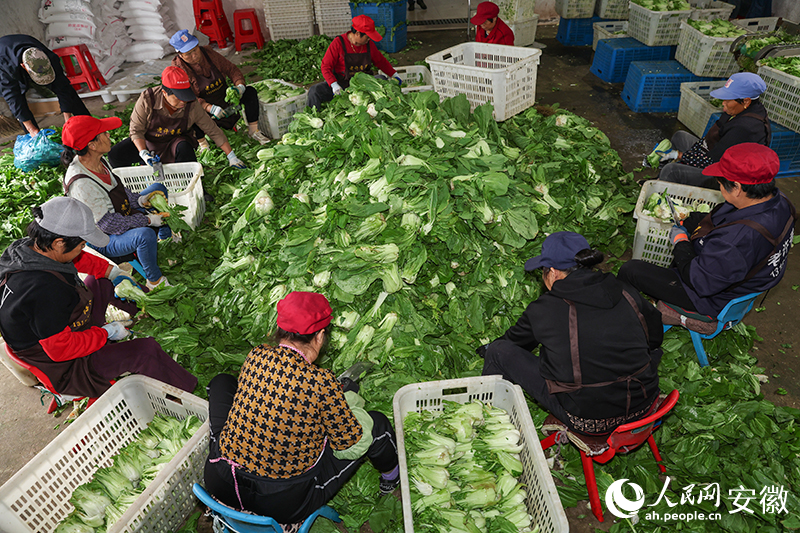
(31, 152)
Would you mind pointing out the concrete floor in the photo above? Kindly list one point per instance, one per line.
(563, 78)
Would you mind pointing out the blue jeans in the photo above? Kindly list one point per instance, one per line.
(143, 242)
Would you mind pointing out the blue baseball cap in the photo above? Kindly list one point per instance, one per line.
(183, 41)
(558, 251)
(741, 85)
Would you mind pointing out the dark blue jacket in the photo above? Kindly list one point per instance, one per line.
(14, 80)
(726, 255)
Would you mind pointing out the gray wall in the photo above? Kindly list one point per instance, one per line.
(21, 16)
(788, 9)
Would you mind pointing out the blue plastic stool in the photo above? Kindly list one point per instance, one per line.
(251, 523)
(732, 314)
(137, 266)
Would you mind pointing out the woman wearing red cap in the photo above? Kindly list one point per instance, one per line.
(741, 247)
(349, 54)
(119, 212)
(490, 28)
(287, 437)
(161, 126)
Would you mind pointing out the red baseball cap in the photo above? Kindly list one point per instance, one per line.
(304, 312)
(79, 130)
(364, 24)
(747, 163)
(486, 11)
(177, 80)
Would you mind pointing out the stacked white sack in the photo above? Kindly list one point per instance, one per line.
(149, 25)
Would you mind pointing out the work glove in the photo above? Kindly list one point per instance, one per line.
(156, 219)
(117, 276)
(144, 200)
(241, 88)
(337, 89)
(116, 331)
(234, 161)
(149, 157)
(678, 234)
(217, 112)
(398, 80)
(672, 155)
(693, 220)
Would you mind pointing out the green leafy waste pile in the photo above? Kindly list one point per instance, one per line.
(414, 218)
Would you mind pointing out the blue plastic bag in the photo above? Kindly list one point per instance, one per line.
(31, 152)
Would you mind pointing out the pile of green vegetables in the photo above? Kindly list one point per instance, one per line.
(270, 91)
(779, 37)
(658, 207)
(113, 489)
(464, 465)
(717, 28)
(787, 64)
(664, 5)
(290, 60)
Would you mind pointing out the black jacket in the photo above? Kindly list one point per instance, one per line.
(742, 128)
(611, 342)
(14, 79)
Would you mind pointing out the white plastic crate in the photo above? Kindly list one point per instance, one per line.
(655, 28)
(651, 242)
(274, 118)
(758, 25)
(182, 180)
(289, 19)
(608, 30)
(710, 9)
(504, 76)
(524, 31)
(612, 9)
(782, 97)
(575, 9)
(413, 73)
(704, 55)
(515, 9)
(695, 110)
(36, 498)
(333, 17)
(542, 499)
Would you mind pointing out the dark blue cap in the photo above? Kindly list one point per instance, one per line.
(183, 41)
(558, 251)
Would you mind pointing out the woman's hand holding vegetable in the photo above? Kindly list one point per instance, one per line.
(149, 157)
(116, 331)
(157, 219)
(678, 234)
(241, 88)
(117, 275)
(337, 89)
(234, 161)
(144, 200)
(216, 111)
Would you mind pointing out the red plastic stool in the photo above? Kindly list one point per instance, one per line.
(247, 36)
(86, 71)
(213, 28)
(215, 7)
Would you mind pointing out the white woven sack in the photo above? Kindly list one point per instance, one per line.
(143, 52)
(140, 5)
(147, 33)
(61, 16)
(142, 17)
(60, 41)
(109, 65)
(50, 7)
(70, 29)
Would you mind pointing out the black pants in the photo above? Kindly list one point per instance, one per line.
(518, 365)
(70, 102)
(286, 500)
(125, 154)
(320, 93)
(657, 282)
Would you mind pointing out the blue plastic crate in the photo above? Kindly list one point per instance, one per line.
(613, 57)
(577, 32)
(388, 16)
(785, 142)
(655, 86)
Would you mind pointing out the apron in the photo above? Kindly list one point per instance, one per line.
(712, 137)
(706, 226)
(354, 62)
(117, 195)
(212, 90)
(165, 132)
(554, 387)
(74, 377)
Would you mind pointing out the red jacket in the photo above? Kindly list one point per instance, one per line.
(500, 34)
(333, 60)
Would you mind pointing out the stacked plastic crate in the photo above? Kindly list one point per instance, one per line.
(390, 20)
(289, 19)
(576, 25)
(520, 17)
(333, 17)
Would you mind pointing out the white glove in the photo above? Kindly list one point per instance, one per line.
(216, 112)
(144, 199)
(155, 220)
(241, 88)
(336, 88)
(234, 161)
(148, 157)
(116, 331)
(669, 156)
(117, 276)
